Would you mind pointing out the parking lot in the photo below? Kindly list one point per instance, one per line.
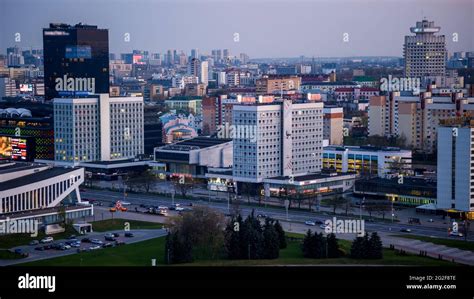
(33, 254)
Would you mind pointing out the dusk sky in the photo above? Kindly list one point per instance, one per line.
(267, 28)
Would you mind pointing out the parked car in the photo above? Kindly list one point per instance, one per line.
(95, 247)
(96, 241)
(47, 240)
(75, 244)
(71, 237)
(40, 248)
(405, 230)
(129, 235)
(317, 221)
(115, 235)
(34, 242)
(309, 222)
(323, 226)
(109, 238)
(86, 240)
(455, 234)
(262, 216)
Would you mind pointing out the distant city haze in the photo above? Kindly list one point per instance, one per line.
(266, 29)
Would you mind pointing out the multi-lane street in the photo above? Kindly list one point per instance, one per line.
(294, 216)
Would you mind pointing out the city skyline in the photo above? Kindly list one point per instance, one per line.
(318, 35)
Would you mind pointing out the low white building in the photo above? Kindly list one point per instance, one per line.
(36, 191)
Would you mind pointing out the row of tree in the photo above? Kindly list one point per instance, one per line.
(248, 239)
(318, 246)
(367, 247)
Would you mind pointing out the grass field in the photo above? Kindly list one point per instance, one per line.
(457, 243)
(140, 254)
(8, 255)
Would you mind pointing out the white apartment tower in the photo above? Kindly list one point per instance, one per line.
(456, 165)
(425, 52)
(98, 128)
(288, 140)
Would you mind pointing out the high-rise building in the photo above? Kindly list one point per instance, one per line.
(194, 53)
(76, 60)
(7, 87)
(199, 69)
(98, 128)
(425, 52)
(455, 189)
(278, 139)
(333, 125)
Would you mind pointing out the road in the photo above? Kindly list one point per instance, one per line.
(295, 216)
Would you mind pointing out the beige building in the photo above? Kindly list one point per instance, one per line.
(277, 84)
(415, 118)
(333, 125)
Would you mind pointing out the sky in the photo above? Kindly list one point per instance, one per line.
(265, 28)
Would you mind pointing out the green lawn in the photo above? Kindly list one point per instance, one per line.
(459, 243)
(117, 224)
(140, 254)
(8, 255)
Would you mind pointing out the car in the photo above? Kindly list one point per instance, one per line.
(34, 242)
(405, 230)
(143, 206)
(64, 247)
(309, 222)
(123, 209)
(317, 221)
(95, 247)
(86, 240)
(18, 251)
(109, 235)
(129, 235)
(125, 203)
(179, 209)
(323, 226)
(96, 241)
(40, 248)
(190, 204)
(107, 245)
(47, 240)
(71, 237)
(455, 234)
(109, 238)
(115, 235)
(75, 244)
(113, 210)
(47, 247)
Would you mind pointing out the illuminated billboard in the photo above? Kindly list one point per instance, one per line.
(26, 87)
(16, 148)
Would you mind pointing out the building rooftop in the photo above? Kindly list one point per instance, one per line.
(35, 177)
(195, 143)
(366, 148)
(311, 176)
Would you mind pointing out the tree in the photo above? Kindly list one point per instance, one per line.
(232, 238)
(375, 249)
(336, 202)
(281, 235)
(308, 244)
(271, 242)
(201, 231)
(332, 246)
(358, 248)
(144, 180)
(182, 184)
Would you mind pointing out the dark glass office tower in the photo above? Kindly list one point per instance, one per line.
(76, 55)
